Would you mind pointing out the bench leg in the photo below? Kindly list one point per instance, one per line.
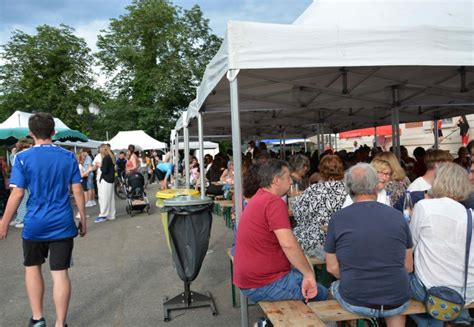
(232, 286)
(226, 212)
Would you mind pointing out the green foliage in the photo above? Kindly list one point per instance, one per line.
(49, 71)
(155, 55)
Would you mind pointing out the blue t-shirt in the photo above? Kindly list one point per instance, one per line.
(370, 240)
(166, 167)
(47, 171)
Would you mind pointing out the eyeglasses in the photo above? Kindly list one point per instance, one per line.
(384, 174)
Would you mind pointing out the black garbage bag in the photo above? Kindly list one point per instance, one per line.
(189, 231)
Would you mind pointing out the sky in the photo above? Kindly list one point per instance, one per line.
(88, 17)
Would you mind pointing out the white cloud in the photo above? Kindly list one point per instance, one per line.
(90, 31)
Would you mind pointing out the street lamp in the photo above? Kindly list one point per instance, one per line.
(93, 111)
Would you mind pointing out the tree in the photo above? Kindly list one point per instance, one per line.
(155, 54)
(50, 71)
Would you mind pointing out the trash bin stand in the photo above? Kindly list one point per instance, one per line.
(188, 299)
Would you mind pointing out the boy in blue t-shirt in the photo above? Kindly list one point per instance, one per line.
(47, 172)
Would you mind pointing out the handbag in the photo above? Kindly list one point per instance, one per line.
(444, 303)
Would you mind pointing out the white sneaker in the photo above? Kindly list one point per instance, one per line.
(93, 203)
(110, 218)
(14, 222)
(19, 225)
(89, 204)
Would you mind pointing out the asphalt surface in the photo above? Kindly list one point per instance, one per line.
(122, 271)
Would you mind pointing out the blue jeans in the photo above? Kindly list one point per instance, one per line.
(418, 292)
(364, 311)
(286, 288)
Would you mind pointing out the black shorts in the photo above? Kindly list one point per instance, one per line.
(60, 252)
(84, 184)
(161, 175)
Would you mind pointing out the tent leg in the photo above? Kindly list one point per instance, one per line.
(186, 155)
(395, 121)
(435, 132)
(201, 155)
(236, 143)
(176, 159)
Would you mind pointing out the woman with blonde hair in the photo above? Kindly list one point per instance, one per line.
(399, 182)
(106, 189)
(384, 174)
(439, 227)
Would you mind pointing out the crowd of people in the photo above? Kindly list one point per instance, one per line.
(347, 208)
(349, 211)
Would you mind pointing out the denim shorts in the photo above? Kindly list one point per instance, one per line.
(90, 181)
(286, 288)
(364, 311)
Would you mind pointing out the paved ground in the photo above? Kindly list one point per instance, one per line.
(122, 270)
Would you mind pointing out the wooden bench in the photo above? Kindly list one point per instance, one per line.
(290, 313)
(331, 310)
(225, 203)
(296, 313)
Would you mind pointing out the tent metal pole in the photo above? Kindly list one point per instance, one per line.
(322, 137)
(396, 121)
(392, 116)
(435, 132)
(236, 145)
(317, 139)
(176, 159)
(305, 145)
(375, 136)
(186, 154)
(284, 145)
(281, 145)
(201, 155)
(335, 142)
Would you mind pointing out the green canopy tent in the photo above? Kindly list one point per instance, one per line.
(16, 127)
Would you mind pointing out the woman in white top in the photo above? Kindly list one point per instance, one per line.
(384, 174)
(438, 228)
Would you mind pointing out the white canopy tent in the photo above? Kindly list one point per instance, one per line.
(195, 145)
(91, 144)
(139, 138)
(341, 65)
(344, 64)
(20, 119)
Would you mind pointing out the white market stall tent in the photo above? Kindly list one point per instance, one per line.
(140, 139)
(342, 65)
(345, 64)
(91, 144)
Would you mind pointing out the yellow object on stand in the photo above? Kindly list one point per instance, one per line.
(169, 194)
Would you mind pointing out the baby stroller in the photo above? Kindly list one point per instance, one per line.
(135, 194)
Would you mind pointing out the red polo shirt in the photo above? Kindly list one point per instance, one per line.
(259, 259)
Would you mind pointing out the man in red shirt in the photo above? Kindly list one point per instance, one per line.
(266, 247)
